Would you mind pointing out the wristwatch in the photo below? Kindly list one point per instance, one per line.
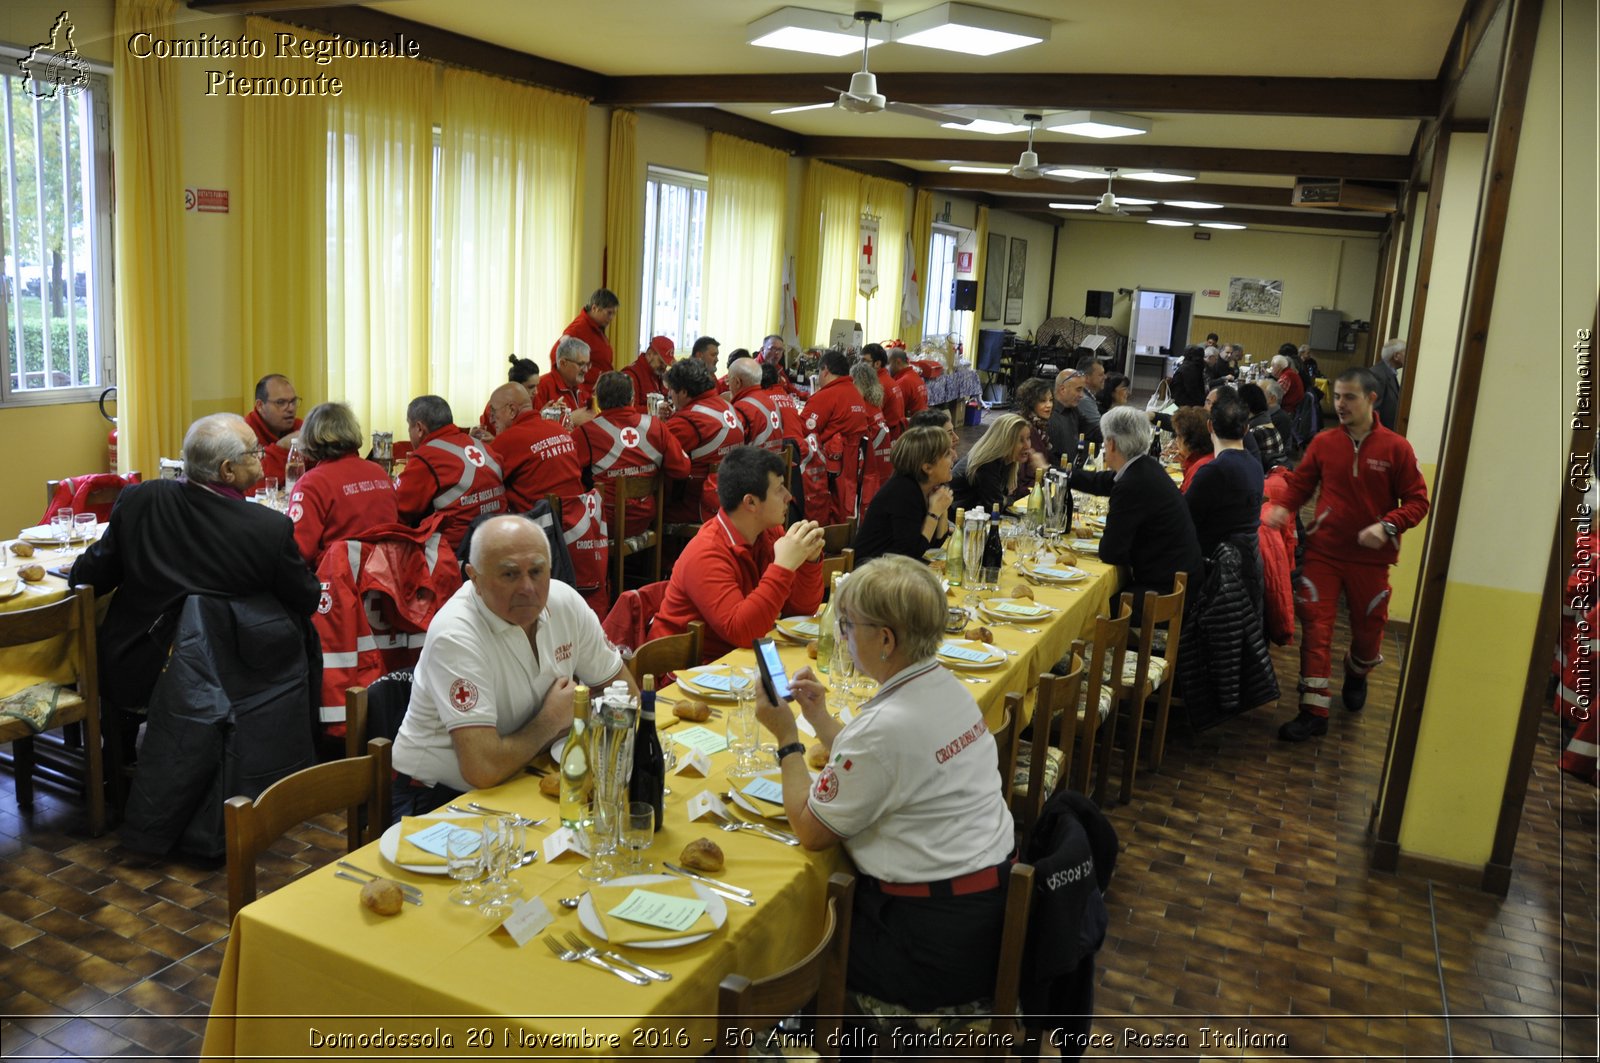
(1389, 529)
(792, 747)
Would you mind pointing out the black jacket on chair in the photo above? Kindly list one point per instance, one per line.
(1224, 662)
(231, 714)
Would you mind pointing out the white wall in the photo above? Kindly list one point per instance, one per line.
(1036, 281)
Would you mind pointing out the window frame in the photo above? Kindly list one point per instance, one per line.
(99, 277)
(945, 273)
(694, 259)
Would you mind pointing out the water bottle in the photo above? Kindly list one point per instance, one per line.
(293, 468)
(577, 775)
(649, 780)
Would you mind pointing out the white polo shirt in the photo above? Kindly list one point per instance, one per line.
(913, 785)
(477, 669)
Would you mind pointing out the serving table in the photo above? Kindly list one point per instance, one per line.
(308, 969)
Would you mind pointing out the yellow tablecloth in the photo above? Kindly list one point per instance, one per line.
(41, 662)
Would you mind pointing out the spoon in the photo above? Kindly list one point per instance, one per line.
(568, 903)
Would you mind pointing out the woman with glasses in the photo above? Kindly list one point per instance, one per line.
(910, 791)
(342, 495)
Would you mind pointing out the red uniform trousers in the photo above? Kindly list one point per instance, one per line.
(1316, 601)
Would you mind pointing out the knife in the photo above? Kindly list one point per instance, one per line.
(748, 902)
(741, 891)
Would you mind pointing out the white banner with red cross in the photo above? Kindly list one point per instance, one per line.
(867, 264)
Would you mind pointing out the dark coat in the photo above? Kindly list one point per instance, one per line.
(1224, 664)
(230, 715)
(167, 540)
(1148, 527)
(1189, 383)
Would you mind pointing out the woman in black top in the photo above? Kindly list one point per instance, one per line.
(910, 514)
(1035, 402)
(1189, 379)
(1225, 496)
(1114, 393)
(987, 474)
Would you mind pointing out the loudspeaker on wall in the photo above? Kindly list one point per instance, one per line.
(964, 295)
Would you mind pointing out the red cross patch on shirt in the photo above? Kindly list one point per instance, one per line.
(463, 695)
(630, 437)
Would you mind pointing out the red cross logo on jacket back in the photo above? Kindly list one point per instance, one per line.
(475, 456)
(630, 437)
(730, 418)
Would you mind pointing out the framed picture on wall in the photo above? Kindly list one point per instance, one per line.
(1016, 276)
(993, 286)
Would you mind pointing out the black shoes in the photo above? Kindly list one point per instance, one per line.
(1355, 691)
(1304, 726)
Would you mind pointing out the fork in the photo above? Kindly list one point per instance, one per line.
(410, 898)
(567, 955)
(588, 951)
(473, 808)
(765, 832)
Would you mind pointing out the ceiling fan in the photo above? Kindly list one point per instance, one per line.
(863, 96)
(1109, 204)
(1027, 167)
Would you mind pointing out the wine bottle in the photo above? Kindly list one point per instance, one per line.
(1081, 459)
(648, 781)
(993, 553)
(952, 549)
(577, 775)
(825, 630)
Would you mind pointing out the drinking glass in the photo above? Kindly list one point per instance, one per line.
(743, 732)
(83, 526)
(842, 675)
(599, 837)
(972, 557)
(464, 852)
(269, 491)
(61, 529)
(638, 832)
(504, 838)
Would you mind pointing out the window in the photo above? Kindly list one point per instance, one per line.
(938, 320)
(674, 252)
(55, 224)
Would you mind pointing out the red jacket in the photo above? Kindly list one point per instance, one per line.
(837, 415)
(273, 456)
(377, 601)
(763, 422)
(625, 442)
(1277, 563)
(645, 381)
(706, 429)
(913, 392)
(450, 473)
(1379, 480)
(601, 356)
(734, 587)
(537, 458)
(894, 404)
(792, 410)
(552, 389)
(340, 499)
(1294, 389)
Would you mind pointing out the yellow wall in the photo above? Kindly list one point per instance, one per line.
(1036, 281)
(1512, 479)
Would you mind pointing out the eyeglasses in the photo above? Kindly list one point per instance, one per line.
(284, 404)
(255, 452)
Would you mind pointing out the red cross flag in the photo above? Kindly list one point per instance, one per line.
(867, 267)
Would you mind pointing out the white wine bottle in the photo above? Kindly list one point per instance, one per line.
(577, 775)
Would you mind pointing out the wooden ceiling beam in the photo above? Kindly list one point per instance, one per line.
(1127, 156)
(1202, 94)
(737, 125)
(1005, 184)
(1297, 219)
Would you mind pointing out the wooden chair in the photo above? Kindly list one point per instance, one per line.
(669, 653)
(1006, 739)
(836, 537)
(392, 693)
(352, 784)
(654, 541)
(832, 566)
(100, 498)
(815, 983)
(1110, 643)
(71, 618)
(1055, 733)
(1152, 678)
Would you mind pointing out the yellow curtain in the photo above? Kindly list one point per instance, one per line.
(283, 316)
(510, 161)
(379, 245)
(624, 228)
(970, 331)
(911, 317)
(745, 212)
(825, 273)
(152, 269)
(880, 315)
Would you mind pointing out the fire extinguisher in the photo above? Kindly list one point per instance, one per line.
(111, 436)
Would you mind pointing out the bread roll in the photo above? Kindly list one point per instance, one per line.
(978, 633)
(702, 854)
(817, 755)
(383, 896)
(22, 549)
(550, 784)
(1022, 590)
(811, 649)
(31, 573)
(693, 711)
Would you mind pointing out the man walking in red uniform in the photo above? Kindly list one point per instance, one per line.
(913, 392)
(707, 428)
(1372, 490)
(590, 327)
(274, 423)
(623, 440)
(836, 417)
(448, 472)
(648, 371)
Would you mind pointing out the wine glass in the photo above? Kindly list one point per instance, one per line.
(464, 858)
(599, 837)
(743, 732)
(638, 832)
(83, 526)
(503, 839)
(61, 529)
(972, 558)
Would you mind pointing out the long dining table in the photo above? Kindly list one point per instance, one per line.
(309, 970)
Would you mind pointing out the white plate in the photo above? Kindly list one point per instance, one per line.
(686, 680)
(46, 535)
(786, 628)
(557, 747)
(989, 609)
(997, 657)
(715, 908)
(1077, 574)
(10, 587)
(389, 844)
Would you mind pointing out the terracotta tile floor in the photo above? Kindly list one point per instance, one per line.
(1242, 900)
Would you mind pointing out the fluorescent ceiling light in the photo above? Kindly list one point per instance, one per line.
(1072, 206)
(1102, 125)
(1161, 176)
(970, 29)
(800, 29)
(1192, 204)
(986, 125)
(1129, 201)
(980, 169)
(802, 107)
(1169, 222)
(1220, 225)
(1066, 171)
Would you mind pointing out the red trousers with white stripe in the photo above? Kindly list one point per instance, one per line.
(1316, 600)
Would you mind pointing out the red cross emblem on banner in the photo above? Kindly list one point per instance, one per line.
(475, 456)
(867, 250)
(630, 437)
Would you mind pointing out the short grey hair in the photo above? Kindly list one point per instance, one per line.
(1212, 352)
(1279, 363)
(487, 531)
(746, 371)
(1273, 390)
(1392, 348)
(1128, 428)
(432, 411)
(209, 442)
(570, 349)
